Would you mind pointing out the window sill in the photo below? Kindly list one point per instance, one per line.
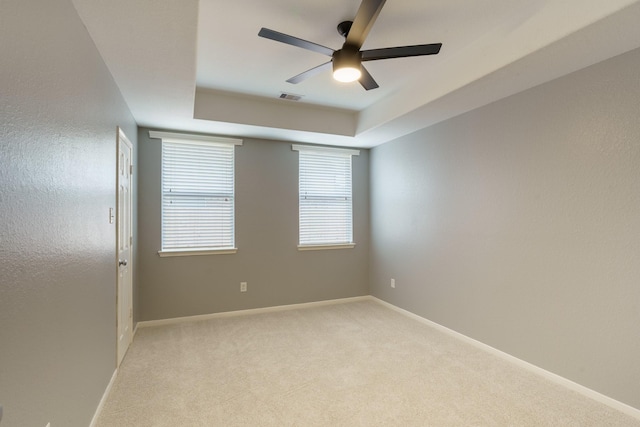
(325, 247)
(187, 252)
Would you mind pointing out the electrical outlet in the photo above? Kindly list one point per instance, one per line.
(393, 283)
(243, 286)
(48, 425)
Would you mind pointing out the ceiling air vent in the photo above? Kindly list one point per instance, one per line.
(290, 96)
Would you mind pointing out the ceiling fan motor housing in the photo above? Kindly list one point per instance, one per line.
(347, 57)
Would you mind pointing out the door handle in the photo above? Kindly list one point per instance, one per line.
(122, 263)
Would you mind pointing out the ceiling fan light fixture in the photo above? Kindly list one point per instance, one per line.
(346, 65)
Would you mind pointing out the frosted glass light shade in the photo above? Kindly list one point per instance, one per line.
(347, 74)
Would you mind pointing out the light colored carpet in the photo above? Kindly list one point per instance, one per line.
(350, 364)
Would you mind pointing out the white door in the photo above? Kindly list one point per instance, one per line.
(124, 240)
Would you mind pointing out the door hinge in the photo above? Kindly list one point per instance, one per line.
(130, 311)
(130, 169)
(130, 240)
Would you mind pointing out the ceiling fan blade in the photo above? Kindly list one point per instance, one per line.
(309, 73)
(401, 52)
(367, 81)
(362, 23)
(294, 41)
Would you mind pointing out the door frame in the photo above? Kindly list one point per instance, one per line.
(122, 139)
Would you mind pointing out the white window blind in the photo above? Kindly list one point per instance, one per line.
(197, 195)
(325, 196)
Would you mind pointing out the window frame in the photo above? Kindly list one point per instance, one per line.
(325, 150)
(171, 137)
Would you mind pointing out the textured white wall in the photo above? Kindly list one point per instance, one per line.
(518, 224)
(59, 109)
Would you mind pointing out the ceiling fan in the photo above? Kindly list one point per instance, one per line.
(347, 61)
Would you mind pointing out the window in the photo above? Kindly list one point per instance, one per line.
(197, 194)
(325, 198)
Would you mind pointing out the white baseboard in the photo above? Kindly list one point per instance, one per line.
(94, 420)
(585, 391)
(148, 323)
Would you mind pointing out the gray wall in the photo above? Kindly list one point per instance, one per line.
(59, 109)
(518, 224)
(266, 238)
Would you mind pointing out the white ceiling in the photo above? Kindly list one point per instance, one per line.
(200, 66)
